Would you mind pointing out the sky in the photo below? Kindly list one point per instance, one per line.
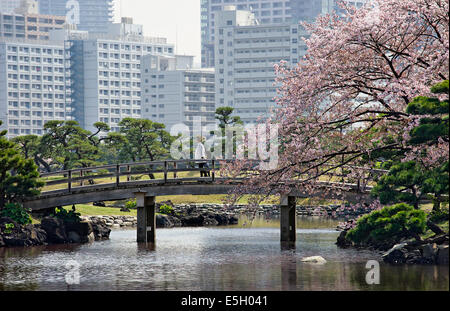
(176, 20)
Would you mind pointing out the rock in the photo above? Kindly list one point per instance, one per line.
(396, 255)
(74, 237)
(38, 236)
(210, 222)
(28, 235)
(342, 241)
(55, 229)
(442, 255)
(415, 257)
(429, 251)
(90, 238)
(101, 231)
(116, 226)
(83, 228)
(315, 259)
(163, 221)
(192, 221)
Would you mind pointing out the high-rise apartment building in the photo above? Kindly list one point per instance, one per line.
(89, 15)
(245, 54)
(174, 93)
(106, 76)
(33, 86)
(29, 26)
(266, 12)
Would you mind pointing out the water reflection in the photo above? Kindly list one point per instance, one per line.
(241, 258)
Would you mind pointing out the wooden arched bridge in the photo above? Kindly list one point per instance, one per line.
(145, 181)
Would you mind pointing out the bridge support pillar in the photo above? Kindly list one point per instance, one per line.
(146, 218)
(287, 219)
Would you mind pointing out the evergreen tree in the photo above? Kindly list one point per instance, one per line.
(19, 177)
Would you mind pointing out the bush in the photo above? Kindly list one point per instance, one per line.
(390, 223)
(131, 204)
(166, 209)
(67, 216)
(17, 213)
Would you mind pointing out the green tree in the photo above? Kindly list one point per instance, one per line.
(432, 128)
(404, 182)
(225, 118)
(19, 177)
(70, 146)
(140, 140)
(224, 115)
(31, 148)
(412, 181)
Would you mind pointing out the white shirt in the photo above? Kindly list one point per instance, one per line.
(200, 152)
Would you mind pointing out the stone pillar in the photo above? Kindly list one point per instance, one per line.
(146, 218)
(287, 219)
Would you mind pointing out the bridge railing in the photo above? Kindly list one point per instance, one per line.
(157, 171)
(169, 171)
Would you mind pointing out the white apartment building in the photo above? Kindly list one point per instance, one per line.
(266, 12)
(174, 93)
(106, 76)
(29, 26)
(245, 54)
(33, 86)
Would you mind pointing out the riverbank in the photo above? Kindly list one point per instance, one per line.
(429, 248)
(51, 231)
(212, 214)
(332, 211)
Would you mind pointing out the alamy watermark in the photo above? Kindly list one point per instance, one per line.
(73, 12)
(72, 276)
(373, 275)
(237, 142)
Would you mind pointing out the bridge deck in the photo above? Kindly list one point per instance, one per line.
(75, 191)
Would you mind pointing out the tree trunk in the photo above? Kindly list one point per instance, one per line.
(44, 164)
(436, 205)
(435, 228)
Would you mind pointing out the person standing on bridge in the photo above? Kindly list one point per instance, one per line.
(200, 154)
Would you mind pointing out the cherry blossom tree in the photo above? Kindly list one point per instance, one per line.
(344, 104)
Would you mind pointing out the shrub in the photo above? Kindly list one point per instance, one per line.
(67, 216)
(166, 209)
(9, 228)
(131, 204)
(17, 213)
(390, 223)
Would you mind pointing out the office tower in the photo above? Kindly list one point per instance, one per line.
(245, 54)
(106, 75)
(93, 15)
(266, 12)
(33, 86)
(174, 93)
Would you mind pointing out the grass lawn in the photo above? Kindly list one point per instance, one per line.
(90, 210)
